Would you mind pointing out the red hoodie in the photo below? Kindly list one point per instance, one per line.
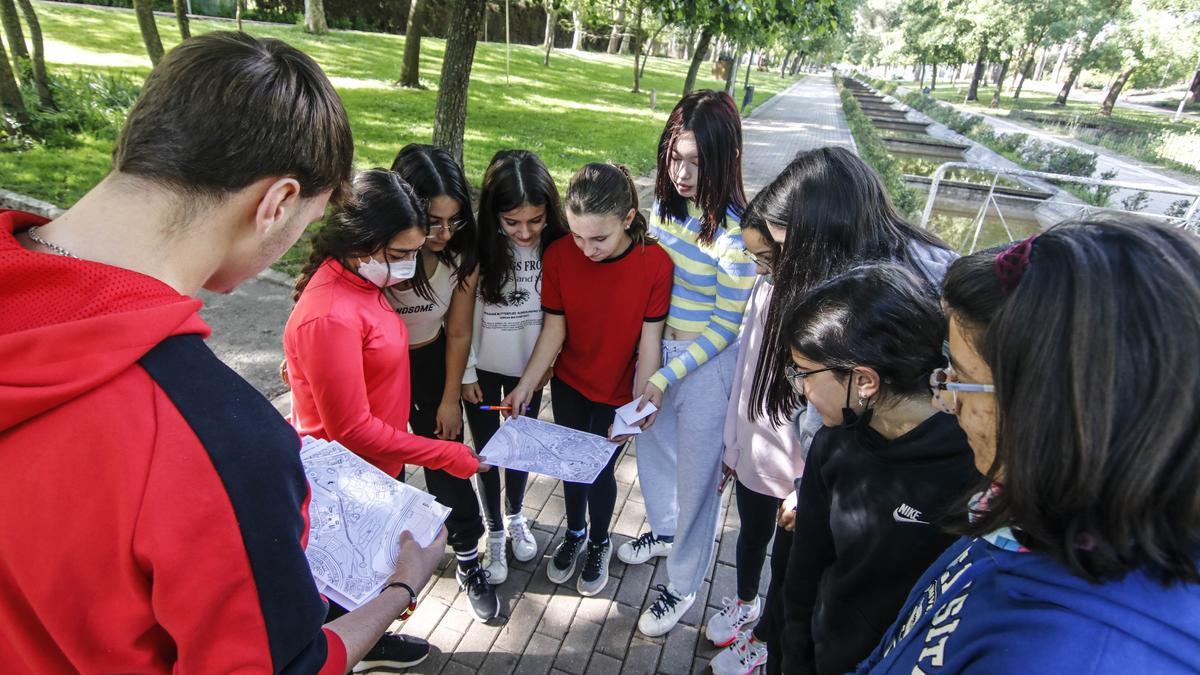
(155, 510)
(347, 358)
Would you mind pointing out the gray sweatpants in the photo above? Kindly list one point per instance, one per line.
(679, 464)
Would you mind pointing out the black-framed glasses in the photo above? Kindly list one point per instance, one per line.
(450, 227)
(795, 376)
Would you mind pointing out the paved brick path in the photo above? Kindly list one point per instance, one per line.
(546, 628)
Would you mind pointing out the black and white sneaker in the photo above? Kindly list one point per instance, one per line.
(394, 652)
(594, 576)
(666, 610)
(484, 603)
(566, 556)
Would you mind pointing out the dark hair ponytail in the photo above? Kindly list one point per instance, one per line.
(880, 316)
(381, 205)
(607, 189)
(513, 178)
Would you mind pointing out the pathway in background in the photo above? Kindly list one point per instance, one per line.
(546, 628)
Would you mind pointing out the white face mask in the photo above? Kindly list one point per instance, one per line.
(383, 275)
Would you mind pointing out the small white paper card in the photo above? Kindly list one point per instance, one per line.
(624, 424)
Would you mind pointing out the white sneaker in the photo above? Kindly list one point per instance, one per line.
(724, 626)
(662, 614)
(643, 548)
(741, 657)
(497, 563)
(523, 544)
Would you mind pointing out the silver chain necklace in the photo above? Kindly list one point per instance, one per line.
(32, 232)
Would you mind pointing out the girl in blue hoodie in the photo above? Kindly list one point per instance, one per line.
(1074, 372)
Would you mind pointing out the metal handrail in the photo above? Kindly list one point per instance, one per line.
(1191, 219)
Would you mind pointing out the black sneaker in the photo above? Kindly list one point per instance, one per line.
(484, 603)
(393, 653)
(594, 576)
(562, 565)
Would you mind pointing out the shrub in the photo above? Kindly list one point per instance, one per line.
(90, 103)
(1054, 158)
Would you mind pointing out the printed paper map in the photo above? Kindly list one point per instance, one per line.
(530, 444)
(356, 515)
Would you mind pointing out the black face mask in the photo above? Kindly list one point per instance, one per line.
(851, 419)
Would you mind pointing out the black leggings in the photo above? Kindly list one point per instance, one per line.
(757, 512)
(769, 628)
(483, 426)
(427, 366)
(572, 409)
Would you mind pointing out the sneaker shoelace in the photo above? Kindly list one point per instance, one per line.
(643, 542)
(496, 549)
(665, 603)
(594, 559)
(566, 552)
(476, 580)
(518, 531)
(738, 613)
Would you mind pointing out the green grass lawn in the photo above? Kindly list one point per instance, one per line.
(578, 110)
(1042, 102)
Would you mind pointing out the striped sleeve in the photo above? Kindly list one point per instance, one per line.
(735, 280)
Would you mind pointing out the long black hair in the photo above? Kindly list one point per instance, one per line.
(432, 173)
(880, 316)
(713, 117)
(837, 215)
(513, 179)
(607, 189)
(1093, 356)
(381, 206)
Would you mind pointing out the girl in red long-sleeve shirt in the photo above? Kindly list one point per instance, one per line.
(346, 349)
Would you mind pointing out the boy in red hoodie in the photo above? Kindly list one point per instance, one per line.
(155, 513)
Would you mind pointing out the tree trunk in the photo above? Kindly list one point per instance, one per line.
(145, 17)
(637, 49)
(410, 72)
(731, 74)
(40, 77)
(10, 94)
(551, 24)
(1076, 67)
(1114, 90)
(783, 68)
(314, 17)
(450, 114)
(933, 78)
(1062, 59)
(577, 36)
(614, 38)
(1000, 83)
(181, 17)
(238, 5)
(797, 63)
(646, 52)
(697, 58)
(1024, 74)
(920, 75)
(16, 37)
(973, 90)
(1041, 65)
(749, 64)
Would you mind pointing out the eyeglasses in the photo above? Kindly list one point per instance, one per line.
(795, 376)
(946, 380)
(763, 259)
(451, 227)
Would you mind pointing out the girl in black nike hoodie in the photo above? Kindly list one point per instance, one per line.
(882, 469)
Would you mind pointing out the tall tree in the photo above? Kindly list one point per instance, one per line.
(577, 28)
(16, 39)
(551, 23)
(410, 72)
(618, 27)
(181, 17)
(450, 114)
(145, 18)
(314, 17)
(1097, 14)
(11, 105)
(639, 10)
(689, 82)
(40, 77)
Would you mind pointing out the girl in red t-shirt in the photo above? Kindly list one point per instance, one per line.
(606, 291)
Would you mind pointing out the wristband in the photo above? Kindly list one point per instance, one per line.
(412, 598)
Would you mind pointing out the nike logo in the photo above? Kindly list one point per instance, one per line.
(907, 514)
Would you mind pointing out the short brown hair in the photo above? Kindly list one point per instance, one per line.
(223, 110)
